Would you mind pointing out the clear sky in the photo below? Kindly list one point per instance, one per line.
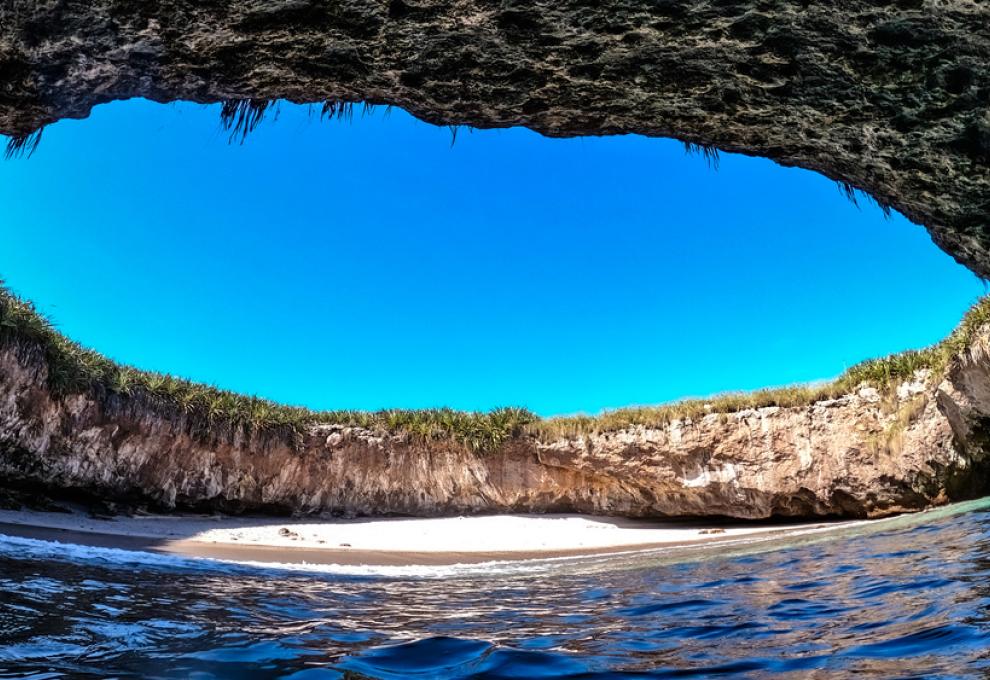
(372, 264)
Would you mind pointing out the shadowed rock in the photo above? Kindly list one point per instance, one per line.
(862, 454)
(888, 97)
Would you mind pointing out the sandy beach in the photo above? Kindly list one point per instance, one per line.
(379, 541)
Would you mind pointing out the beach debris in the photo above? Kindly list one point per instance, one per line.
(711, 531)
(104, 510)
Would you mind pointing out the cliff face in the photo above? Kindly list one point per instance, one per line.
(890, 97)
(863, 454)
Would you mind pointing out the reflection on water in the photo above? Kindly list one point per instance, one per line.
(912, 600)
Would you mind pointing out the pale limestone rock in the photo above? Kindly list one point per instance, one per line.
(857, 455)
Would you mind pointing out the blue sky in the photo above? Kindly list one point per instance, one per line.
(372, 264)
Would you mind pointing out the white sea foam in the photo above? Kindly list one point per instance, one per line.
(15, 547)
(532, 534)
(20, 548)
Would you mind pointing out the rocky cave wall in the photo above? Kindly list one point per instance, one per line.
(889, 97)
(861, 454)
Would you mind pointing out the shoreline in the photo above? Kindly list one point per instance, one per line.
(386, 541)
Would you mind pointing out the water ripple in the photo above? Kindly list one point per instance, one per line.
(912, 600)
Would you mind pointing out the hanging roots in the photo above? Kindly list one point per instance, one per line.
(242, 116)
(707, 151)
(341, 110)
(852, 193)
(23, 145)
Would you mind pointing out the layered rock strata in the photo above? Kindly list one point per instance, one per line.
(863, 454)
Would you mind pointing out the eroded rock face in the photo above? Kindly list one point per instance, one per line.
(891, 97)
(860, 455)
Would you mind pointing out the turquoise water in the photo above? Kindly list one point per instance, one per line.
(899, 599)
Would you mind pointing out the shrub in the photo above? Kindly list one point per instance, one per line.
(73, 369)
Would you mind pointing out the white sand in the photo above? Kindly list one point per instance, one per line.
(489, 534)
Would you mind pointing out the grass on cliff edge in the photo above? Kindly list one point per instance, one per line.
(73, 369)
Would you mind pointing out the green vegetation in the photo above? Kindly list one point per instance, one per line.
(884, 374)
(73, 369)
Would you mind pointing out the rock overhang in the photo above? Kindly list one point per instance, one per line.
(892, 98)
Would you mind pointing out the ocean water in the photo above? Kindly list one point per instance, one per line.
(908, 598)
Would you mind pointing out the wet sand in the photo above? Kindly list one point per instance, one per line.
(381, 542)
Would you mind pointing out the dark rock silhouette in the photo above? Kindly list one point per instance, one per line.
(892, 98)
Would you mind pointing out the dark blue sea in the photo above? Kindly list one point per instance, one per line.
(907, 598)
